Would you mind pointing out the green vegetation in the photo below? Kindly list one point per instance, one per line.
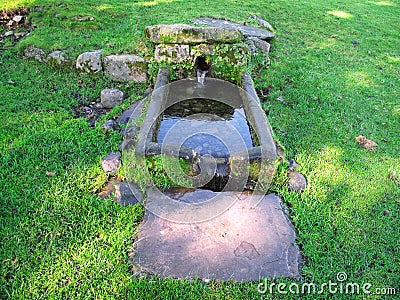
(335, 69)
(164, 173)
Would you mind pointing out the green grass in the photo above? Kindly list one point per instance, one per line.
(59, 240)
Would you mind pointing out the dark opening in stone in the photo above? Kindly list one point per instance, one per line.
(201, 64)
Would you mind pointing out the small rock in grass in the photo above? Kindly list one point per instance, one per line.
(293, 165)
(111, 162)
(8, 33)
(109, 125)
(296, 181)
(393, 176)
(83, 19)
(17, 19)
(50, 174)
(111, 97)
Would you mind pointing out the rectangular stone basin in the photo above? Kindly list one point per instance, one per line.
(218, 127)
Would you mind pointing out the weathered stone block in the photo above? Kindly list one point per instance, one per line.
(185, 34)
(89, 62)
(126, 67)
(174, 53)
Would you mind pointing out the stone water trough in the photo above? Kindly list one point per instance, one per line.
(211, 228)
(217, 126)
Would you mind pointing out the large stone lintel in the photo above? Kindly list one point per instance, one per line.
(186, 34)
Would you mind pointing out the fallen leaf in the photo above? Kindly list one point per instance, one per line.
(393, 176)
(50, 174)
(366, 143)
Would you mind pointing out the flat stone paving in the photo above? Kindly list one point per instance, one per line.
(243, 243)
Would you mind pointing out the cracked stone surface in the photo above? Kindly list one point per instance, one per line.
(243, 243)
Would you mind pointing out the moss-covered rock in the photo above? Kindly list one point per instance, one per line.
(33, 52)
(58, 60)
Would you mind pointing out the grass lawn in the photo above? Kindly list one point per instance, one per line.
(335, 63)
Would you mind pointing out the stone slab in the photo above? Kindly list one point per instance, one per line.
(127, 193)
(246, 30)
(244, 243)
(186, 34)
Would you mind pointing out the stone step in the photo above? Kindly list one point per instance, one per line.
(246, 238)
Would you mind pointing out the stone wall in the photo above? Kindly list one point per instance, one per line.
(223, 43)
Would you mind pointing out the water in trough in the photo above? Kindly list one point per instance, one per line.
(206, 126)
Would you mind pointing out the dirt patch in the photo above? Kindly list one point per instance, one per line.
(14, 24)
(91, 112)
(264, 92)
